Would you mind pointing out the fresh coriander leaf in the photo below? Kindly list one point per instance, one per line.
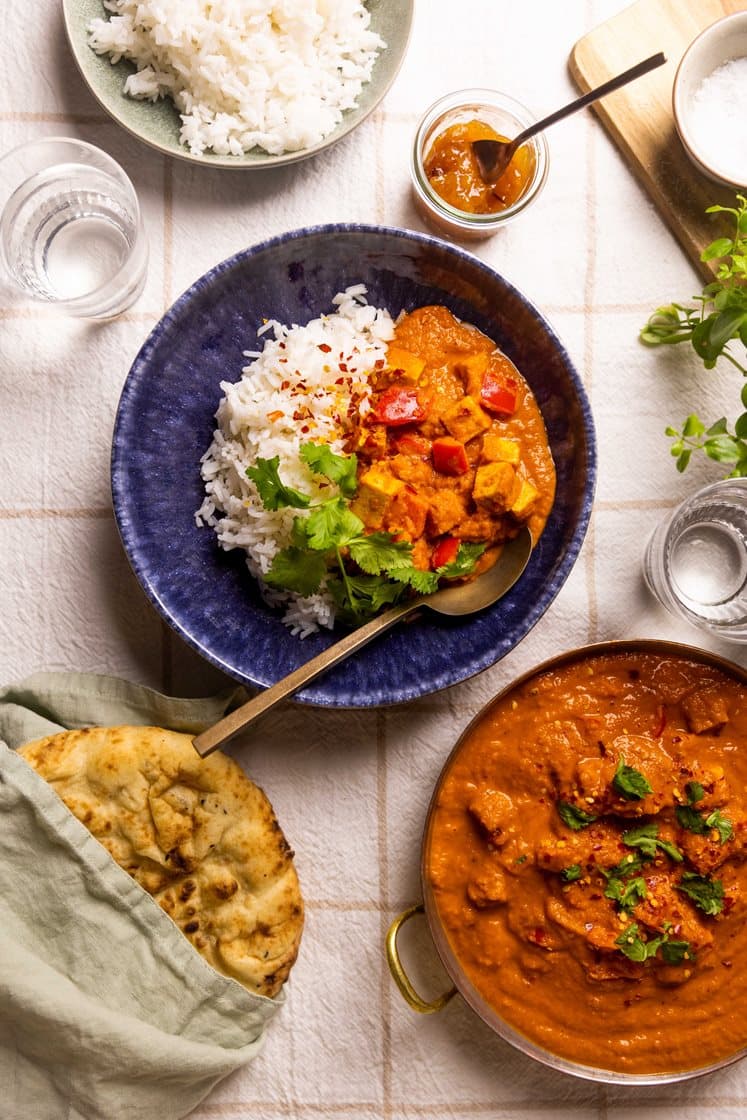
(380, 552)
(298, 536)
(464, 562)
(573, 817)
(626, 894)
(572, 873)
(425, 583)
(722, 825)
(332, 525)
(675, 952)
(341, 469)
(695, 792)
(671, 850)
(270, 487)
(295, 569)
(646, 838)
(690, 819)
(707, 894)
(634, 947)
(630, 783)
(642, 837)
(358, 598)
(521, 859)
(628, 865)
(695, 822)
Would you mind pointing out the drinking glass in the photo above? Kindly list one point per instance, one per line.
(695, 562)
(71, 232)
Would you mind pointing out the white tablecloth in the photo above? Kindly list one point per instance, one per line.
(351, 789)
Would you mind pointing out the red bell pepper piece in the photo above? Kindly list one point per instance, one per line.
(498, 394)
(449, 456)
(398, 406)
(445, 552)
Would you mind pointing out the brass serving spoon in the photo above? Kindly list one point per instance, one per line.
(460, 599)
(494, 156)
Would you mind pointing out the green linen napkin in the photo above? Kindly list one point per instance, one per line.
(106, 1010)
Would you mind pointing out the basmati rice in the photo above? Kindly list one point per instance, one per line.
(304, 386)
(244, 73)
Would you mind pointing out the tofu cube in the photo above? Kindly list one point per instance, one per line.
(408, 366)
(466, 419)
(496, 486)
(376, 490)
(525, 499)
(498, 449)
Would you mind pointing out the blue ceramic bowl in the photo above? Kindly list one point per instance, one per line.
(165, 422)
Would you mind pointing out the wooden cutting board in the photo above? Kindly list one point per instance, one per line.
(639, 117)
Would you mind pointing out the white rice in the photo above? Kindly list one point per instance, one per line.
(299, 389)
(274, 74)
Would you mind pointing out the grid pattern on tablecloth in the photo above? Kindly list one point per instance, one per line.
(351, 788)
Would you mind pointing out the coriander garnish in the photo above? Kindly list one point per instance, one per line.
(693, 821)
(695, 792)
(630, 783)
(637, 949)
(707, 894)
(646, 838)
(573, 817)
(633, 946)
(626, 893)
(329, 533)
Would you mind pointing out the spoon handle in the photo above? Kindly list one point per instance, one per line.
(208, 741)
(593, 95)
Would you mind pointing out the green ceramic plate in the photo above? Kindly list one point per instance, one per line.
(158, 123)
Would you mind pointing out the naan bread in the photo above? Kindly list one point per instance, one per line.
(196, 833)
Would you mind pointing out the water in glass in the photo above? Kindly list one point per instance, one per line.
(696, 561)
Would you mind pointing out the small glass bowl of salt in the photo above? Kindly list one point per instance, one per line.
(709, 100)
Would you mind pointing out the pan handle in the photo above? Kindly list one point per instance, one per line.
(400, 976)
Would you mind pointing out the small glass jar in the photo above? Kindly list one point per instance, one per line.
(508, 118)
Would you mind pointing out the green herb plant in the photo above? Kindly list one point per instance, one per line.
(329, 546)
(712, 328)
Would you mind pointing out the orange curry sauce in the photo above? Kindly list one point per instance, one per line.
(603, 919)
(453, 173)
(454, 447)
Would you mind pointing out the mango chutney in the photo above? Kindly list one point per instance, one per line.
(453, 172)
(448, 191)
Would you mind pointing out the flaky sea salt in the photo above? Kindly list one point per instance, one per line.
(719, 119)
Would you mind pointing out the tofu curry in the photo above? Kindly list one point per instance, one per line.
(453, 448)
(585, 854)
